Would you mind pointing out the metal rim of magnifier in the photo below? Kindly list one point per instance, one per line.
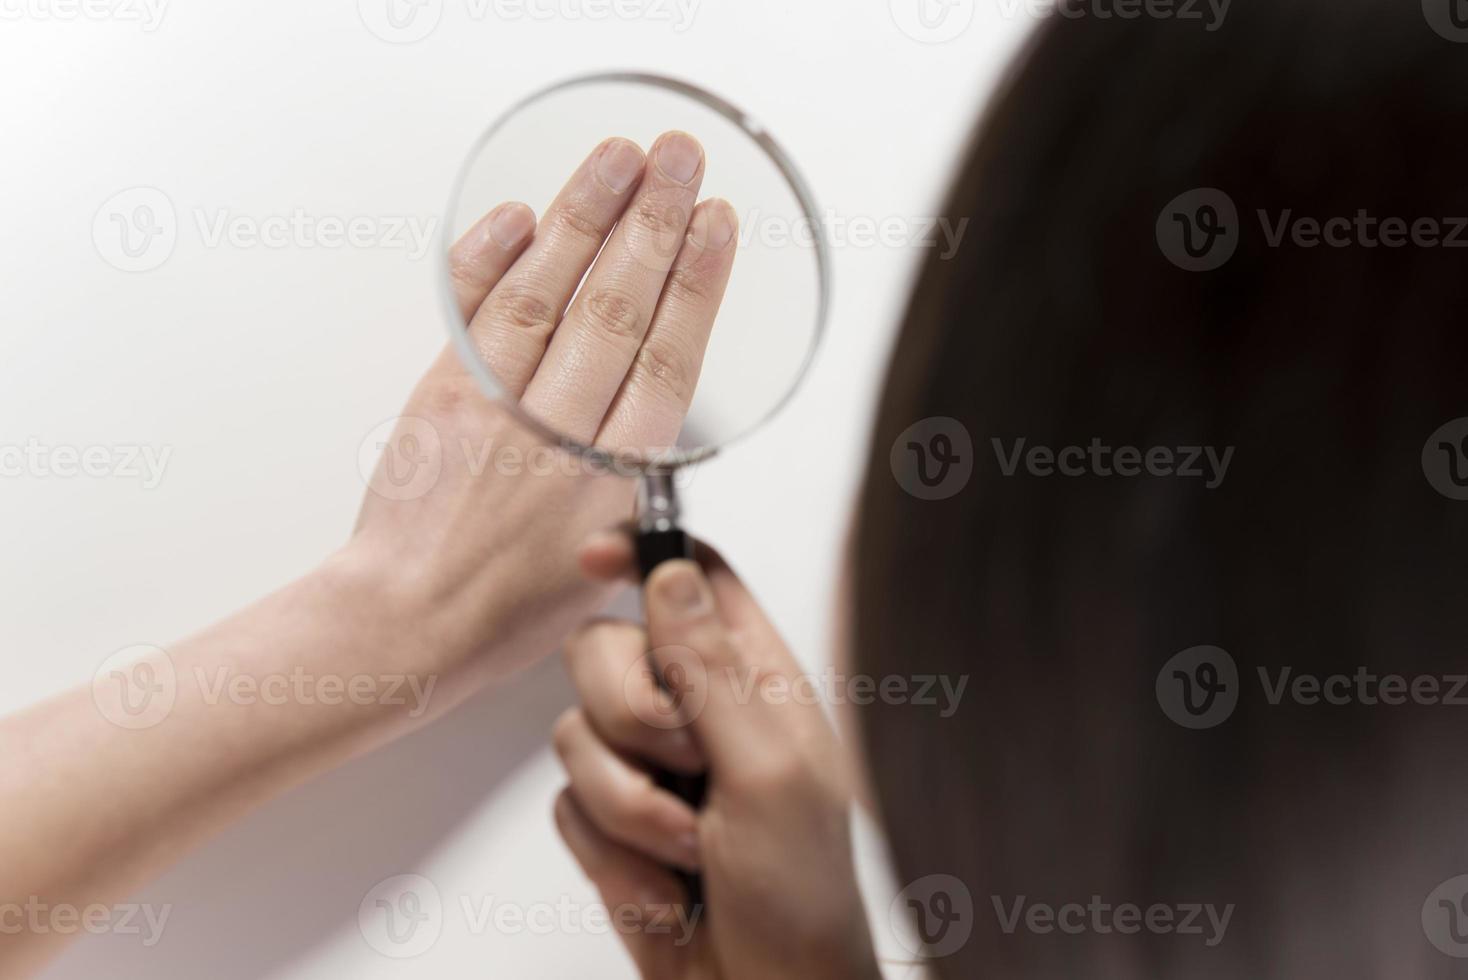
(459, 330)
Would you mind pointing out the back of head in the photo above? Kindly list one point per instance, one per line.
(1203, 331)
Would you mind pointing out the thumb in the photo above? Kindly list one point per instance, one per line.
(717, 679)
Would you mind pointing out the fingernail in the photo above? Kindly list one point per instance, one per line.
(619, 164)
(681, 587)
(510, 226)
(678, 156)
(712, 227)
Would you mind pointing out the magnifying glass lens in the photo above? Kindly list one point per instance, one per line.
(765, 330)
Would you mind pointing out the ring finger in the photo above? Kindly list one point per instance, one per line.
(622, 799)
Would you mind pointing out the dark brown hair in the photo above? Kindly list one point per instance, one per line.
(1326, 549)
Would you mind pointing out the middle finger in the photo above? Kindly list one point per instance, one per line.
(589, 355)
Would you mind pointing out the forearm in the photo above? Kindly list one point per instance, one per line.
(94, 801)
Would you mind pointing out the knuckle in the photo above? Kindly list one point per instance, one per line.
(525, 310)
(658, 215)
(690, 284)
(667, 369)
(635, 806)
(464, 272)
(578, 220)
(614, 312)
(565, 730)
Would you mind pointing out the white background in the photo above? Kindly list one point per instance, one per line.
(261, 369)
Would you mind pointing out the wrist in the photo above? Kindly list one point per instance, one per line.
(389, 614)
(477, 615)
(406, 615)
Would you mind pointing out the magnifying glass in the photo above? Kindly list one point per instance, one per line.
(773, 311)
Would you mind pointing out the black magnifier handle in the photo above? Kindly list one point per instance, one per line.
(660, 539)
